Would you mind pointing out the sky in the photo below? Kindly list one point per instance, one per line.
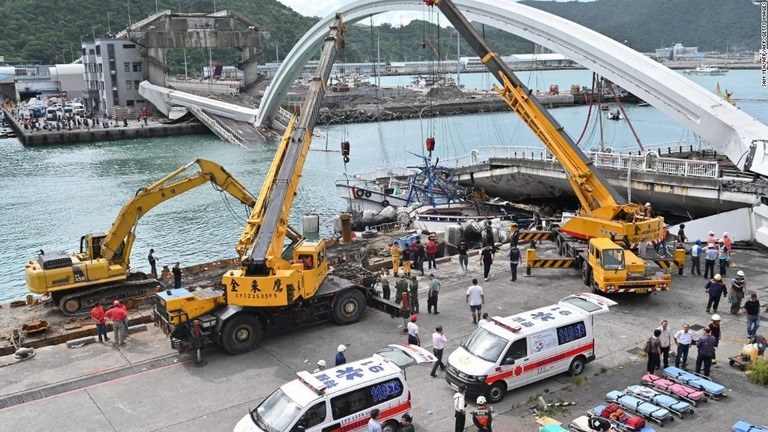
(323, 8)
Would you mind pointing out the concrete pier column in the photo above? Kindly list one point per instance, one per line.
(156, 65)
(249, 66)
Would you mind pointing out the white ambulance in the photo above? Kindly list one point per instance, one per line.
(510, 352)
(341, 398)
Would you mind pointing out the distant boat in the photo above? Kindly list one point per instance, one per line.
(706, 70)
(615, 115)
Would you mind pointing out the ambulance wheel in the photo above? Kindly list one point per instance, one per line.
(577, 366)
(390, 426)
(586, 273)
(348, 307)
(496, 392)
(241, 334)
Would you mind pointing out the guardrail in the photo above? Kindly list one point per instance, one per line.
(650, 161)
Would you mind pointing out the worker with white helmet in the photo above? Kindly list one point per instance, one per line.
(711, 238)
(340, 358)
(482, 417)
(717, 333)
(710, 256)
(648, 212)
(727, 242)
(715, 288)
(320, 366)
(737, 291)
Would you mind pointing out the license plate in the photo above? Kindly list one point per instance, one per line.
(642, 290)
(454, 386)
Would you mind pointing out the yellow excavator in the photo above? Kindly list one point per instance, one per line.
(604, 213)
(101, 270)
(277, 286)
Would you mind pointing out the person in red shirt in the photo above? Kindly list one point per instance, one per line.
(97, 314)
(117, 314)
(431, 253)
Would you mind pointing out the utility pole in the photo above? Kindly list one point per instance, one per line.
(93, 32)
(129, 18)
(109, 24)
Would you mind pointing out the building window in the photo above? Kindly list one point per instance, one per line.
(129, 103)
(128, 85)
(91, 51)
(98, 50)
(137, 67)
(101, 68)
(127, 66)
(136, 84)
(129, 46)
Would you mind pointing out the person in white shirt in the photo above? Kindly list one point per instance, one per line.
(476, 299)
(460, 408)
(484, 320)
(666, 342)
(373, 423)
(413, 331)
(438, 345)
(683, 340)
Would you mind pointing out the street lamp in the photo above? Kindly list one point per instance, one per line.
(93, 31)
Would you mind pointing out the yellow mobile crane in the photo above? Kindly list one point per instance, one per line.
(275, 288)
(604, 215)
(101, 270)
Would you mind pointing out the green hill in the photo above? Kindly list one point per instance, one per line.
(51, 31)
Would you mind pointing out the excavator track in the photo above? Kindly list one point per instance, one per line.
(81, 301)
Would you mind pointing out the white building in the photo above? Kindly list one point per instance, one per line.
(113, 71)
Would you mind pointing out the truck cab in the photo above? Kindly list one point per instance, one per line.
(609, 268)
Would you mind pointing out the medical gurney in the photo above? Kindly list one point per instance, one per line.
(709, 387)
(640, 407)
(680, 391)
(581, 423)
(741, 426)
(657, 397)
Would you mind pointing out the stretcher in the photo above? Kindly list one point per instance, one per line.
(580, 424)
(640, 407)
(710, 388)
(657, 397)
(680, 391)
(741, 426)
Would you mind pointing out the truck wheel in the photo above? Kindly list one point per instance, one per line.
(586, 273)
(496, 392)
(577, 366)
(348, 307)
(390, 426)
(241, 334)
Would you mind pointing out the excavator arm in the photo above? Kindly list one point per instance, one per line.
(119, 238)
(600, 201)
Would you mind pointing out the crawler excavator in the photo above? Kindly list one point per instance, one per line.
(605, 216)
(277, 286)
(101, 270)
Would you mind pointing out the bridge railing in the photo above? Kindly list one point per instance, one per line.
(647, 162)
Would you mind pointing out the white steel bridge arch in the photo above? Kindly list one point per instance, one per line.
(731, 131)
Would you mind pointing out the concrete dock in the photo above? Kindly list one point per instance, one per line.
(145, 386)
(134, 130)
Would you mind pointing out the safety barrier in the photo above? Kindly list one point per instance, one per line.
(535, 235)
(650, 161)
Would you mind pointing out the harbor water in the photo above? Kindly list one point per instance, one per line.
(51, 196)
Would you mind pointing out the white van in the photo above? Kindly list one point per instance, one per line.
(341, 398)
(507, 353)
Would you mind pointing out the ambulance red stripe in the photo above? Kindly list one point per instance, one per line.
(387, 414)
(543, 362)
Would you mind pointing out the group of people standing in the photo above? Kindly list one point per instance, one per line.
(413, 256)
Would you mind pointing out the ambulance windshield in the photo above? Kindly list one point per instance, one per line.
(485, 345)
(276, 413)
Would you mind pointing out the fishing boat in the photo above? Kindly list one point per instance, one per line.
(703, 69)
(400, 187)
